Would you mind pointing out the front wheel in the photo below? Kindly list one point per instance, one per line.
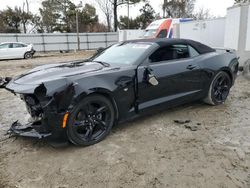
(219, 89)
(28, 55)
(91, 120)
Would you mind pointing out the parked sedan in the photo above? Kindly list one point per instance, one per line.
(81, 101)
(16, 50)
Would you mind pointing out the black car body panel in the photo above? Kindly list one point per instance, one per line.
(51, 91)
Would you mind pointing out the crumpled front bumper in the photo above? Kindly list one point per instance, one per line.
(28, 130)
(47, 109)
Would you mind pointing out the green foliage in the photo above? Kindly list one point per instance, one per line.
(140, 22)
(133, 23)
(147, 15)
(49, 15)
(11, 20)
(117, 3)
(68, 16)
(178, 9)
(60, 15)
(88, 15)
(88, 19)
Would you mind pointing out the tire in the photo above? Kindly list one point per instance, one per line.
(219, 89)
(246, 70)
(91, 120)
(28, 55)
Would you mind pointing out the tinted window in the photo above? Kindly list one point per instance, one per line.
(193, 52)
(163, 33)
(17, 45)
(4, 46)
(170, 53)
(150, 33)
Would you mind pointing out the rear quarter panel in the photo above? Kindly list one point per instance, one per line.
(212, 63)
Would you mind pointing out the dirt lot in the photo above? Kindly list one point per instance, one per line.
(213, 150)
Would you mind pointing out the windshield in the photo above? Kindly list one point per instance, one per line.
(150, 33)
(123, 53)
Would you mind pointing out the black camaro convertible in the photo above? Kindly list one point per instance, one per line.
(82, 100)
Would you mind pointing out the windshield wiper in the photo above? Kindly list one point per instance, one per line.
(102, 63)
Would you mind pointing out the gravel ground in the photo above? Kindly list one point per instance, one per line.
(212, 150)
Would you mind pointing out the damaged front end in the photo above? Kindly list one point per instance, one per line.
(28, 130)
(48, 104)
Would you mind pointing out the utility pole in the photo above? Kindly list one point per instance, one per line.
(164, 8)
(77, 26)
(27, 5)
(128, 14)
(77, 31)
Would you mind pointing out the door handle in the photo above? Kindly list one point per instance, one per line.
(191, 67)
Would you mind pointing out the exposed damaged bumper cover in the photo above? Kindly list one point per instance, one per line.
(47, 105)
(28, 130)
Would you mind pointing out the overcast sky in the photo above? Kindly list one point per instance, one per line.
(217, 7)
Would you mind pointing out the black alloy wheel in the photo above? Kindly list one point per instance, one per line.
(219, 89)
(91, 120)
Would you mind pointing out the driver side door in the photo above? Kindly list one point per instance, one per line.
(176, 73)
(4, 51)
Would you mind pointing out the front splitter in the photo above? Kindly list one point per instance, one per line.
(17, 129)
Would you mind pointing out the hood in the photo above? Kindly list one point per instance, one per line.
(51, 72)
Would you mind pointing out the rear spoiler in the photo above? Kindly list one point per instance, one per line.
(229, 50)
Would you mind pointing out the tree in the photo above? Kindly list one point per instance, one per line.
(133, 23)
(147, 15)
(178, 9)
(26, 17)
(68, 15)
(87, 18)
(241, 1)
(57, 15)
(37, 24)
(50, 14)
(202, 14)
(117, 3)
(11, 20)
(60, 15)
(107, 9)
(140, 22)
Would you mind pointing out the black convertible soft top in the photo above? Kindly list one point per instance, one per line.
(201, 48)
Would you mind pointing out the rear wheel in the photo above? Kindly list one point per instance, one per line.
(219, 89)
(28, 55)
(247, 69)
(91, 120)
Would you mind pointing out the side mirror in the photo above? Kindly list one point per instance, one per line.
(152, 80)
(149, 77)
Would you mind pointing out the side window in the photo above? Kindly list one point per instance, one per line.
(193, 52)
(3, 46)
(17, 45)
(170, 53)
(163, 33)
